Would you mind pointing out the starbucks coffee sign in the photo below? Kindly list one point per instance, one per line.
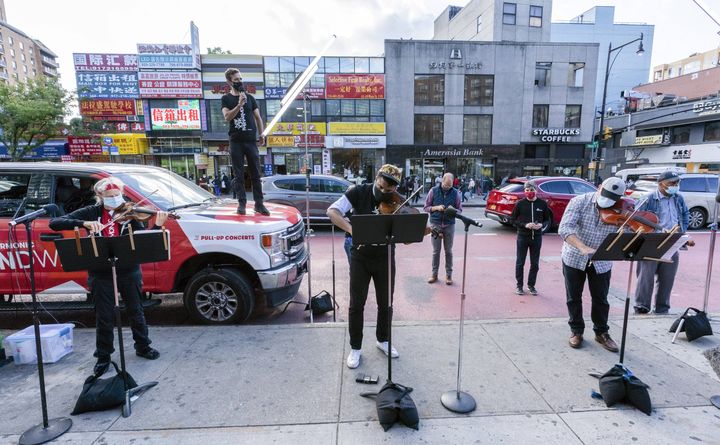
(453, 153)
(556, 134)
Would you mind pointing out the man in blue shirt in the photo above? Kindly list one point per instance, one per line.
(671, 210)
(438, 199)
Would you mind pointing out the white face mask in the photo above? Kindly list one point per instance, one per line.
(113, 202)
(604, 202)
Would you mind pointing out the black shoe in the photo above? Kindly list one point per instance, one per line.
(149, 353)
(519, 290)
(261, 209)
(639, 310)
(101, 366)
(532, 290)
(241, 208)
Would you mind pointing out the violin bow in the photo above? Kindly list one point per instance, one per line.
(119, 215)
(407, 200)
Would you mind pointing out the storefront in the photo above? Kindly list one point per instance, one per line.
(51, 150)
(697, 158)
(127, 148)
(287, 143)
(356, 149)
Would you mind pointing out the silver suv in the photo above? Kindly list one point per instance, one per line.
(698, 189)
(290, 190)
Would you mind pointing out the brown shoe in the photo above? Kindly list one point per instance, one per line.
(606, 342)
(432, 279)
(576, 341)
(448, 280)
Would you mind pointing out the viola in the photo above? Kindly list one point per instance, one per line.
(622, 214)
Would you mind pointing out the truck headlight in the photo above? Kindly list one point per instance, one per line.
(273, 245)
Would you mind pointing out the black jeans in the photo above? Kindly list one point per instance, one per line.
(130, 287)
(599, 285)
(238, 152)
(362, 269)
(525, 242)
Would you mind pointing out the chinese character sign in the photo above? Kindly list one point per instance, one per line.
(80, 146)
(170, 84)
(164, 56)
(185, 117)
(113, 107)
(354, 86)
(107, 85)
(105, 62)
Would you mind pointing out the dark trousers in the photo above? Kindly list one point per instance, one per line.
(130, 287)
(239, 151)
(525, 243)
(362, 269)
(599, 285)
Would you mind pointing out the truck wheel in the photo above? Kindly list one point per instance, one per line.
(221, 296)
(698, 218)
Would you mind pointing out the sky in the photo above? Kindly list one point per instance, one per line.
(303, 27)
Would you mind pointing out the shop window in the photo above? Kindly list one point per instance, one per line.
(273, 107)
(536, 13)
(362, 107)
(362, 65)
(540, 116)
(332, 107)
(712, 131)
(317, 108)
(377, 65)
(347, 107)
(429, 128)
(271, 64)
(542, 73)
(537, 151)
(479, 90)
(332, 65)
(377, 108)
(317, 81)
(286, 79)
(576, 73)
(272, 80)
(572, 116)
(287, 65)
(216, 121)
(477, 129)
(509, 13)
(681, 135)
(573, 151)
(347, 65)
(430, 89)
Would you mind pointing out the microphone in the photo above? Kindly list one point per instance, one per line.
(452, 212)
(50, 208)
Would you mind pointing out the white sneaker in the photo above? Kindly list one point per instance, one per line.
(353, 360)
(383, 346)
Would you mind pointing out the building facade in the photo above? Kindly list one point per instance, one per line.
(691, 86)
(691, 64)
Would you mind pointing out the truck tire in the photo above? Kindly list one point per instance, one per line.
(698, 218)
(222, 296)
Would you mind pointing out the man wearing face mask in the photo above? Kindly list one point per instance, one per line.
(671, 210)
(367, 262)
(438, 199)
(97, 219)
(245, 128)
(583, 231)
(529, 216)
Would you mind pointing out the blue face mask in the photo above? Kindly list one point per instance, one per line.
(672, 189)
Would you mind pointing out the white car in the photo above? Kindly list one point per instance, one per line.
(698, 189)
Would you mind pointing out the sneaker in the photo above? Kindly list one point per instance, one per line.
(353, 360)
(261, 209)
(532, 290)
(519, 290)
(241, 209)
(383, 346)
(149, 353)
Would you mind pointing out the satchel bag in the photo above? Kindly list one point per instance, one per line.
(696, 325)
(321, 303)
(101, 394)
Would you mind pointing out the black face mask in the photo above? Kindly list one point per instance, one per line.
(382, 197)
(238, 86)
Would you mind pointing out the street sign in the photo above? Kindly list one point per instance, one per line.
(107, 140)
(114, 150)
(593, 144)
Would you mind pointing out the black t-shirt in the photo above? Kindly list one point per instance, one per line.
(364, 203)
(242, 128)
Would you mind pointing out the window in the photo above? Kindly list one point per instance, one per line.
(333, 186)
(712, 131)
(536, 16)
(562, 187)
(22, 46)
(301, 64)
(362, 107)
(332, 65)
(286, 79)
(477, 129)
(572, 116)
(681, 135)
(377, 65)
(537, 151)
(287, 65)
(429, 128)
(332, 107)
(272, 64)
(430, 89)
(362, 65)
(347, 107)
(25, 69)
(318, 81)
(542, 73)
(540, 116)
(22, 57)
(509, 12)
(317, 109)
(272, 80)
(273, 107)
(347, 65)
(13, 188)
(377, 108)
(12, 52)
(479, 90)
(579, 188)
(10, 40)
(14, 65)
(576, 74)
(479, 24)
(571, 151)
(693, 185)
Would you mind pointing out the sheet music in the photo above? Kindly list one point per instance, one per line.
(675, 247)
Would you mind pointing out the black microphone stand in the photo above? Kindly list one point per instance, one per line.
(52, 428)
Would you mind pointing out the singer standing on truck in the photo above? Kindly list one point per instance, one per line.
(438, 199)
(245, 129)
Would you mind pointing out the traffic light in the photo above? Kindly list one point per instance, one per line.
(607, 133)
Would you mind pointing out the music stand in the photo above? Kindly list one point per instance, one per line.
(388, 230)
(108, 253)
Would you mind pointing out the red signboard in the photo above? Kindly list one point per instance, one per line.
(355, 86)
(313, 140)
(170, 84)
(107, 107)
(105, 62)
(80, 146)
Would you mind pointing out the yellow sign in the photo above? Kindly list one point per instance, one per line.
(280, 141)
(298, 128)
(648, 140)
(357, 128)
(129, 143)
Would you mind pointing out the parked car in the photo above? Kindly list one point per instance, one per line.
(698, 189)
(221, 261)
(634, 174)
(290, 190)
(556, 190)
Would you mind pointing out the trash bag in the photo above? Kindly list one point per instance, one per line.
(695, 326)
(101, 394)
(394, 404)
(619, 384)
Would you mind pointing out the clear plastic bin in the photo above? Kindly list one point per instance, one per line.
(56, 341)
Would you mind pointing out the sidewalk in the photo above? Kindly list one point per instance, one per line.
(289, 384)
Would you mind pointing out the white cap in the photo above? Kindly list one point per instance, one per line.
(611, 190)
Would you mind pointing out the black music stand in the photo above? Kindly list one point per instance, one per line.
(389, 230)
(108, 253)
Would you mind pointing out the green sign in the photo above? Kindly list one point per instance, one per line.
(592, 145)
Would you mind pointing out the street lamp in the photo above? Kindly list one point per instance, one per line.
(640, 51)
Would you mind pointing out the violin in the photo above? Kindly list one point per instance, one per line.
(396, 206)
(130, 211)
(622, 214)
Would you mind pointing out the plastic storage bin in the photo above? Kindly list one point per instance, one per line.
(56, 341)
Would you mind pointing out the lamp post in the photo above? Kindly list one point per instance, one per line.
(640, 51)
